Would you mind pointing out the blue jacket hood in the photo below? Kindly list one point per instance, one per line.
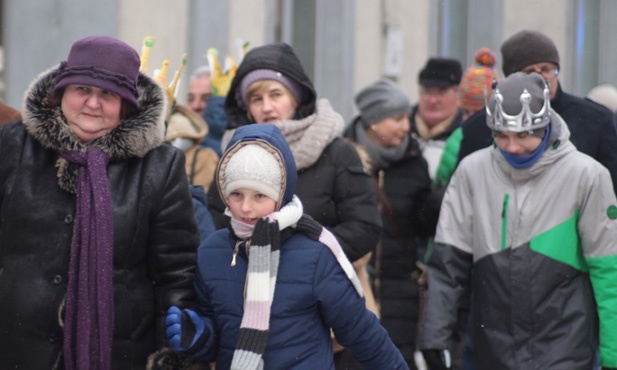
(271, 135)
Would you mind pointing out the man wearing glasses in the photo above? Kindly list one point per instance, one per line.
(590, 124)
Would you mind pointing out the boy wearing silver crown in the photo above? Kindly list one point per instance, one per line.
(536, 221)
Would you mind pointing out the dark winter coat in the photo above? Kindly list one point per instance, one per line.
(407, 186)
(590, 124)
(155, 233)
(312, 295)
(335, 190)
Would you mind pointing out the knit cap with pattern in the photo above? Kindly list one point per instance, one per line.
(476, 79)
(253, 167)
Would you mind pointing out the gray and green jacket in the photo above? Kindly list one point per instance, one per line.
(542, 243)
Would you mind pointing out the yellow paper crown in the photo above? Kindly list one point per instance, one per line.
(160, 75)
(221, 78)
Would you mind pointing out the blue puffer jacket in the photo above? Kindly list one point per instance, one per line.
(312, 295)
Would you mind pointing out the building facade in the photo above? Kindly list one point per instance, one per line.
(343, 44)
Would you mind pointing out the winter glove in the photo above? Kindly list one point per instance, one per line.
(437, 359)
(184, 328)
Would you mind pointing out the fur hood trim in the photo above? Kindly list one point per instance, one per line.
(134, 137)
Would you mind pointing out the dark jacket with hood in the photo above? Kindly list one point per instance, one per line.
(335, 190)
(312, 294)
(590, 124)
(155, 232)
(407, 185)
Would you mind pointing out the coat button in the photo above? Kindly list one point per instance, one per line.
(57, 279)
(53, 338)
(68, 219)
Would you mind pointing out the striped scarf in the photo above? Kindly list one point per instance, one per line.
(261, 278)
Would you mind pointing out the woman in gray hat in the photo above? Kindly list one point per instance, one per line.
(97, 230)
(403, 186)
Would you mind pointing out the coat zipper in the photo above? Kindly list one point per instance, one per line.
(504, 221)
(236, 250)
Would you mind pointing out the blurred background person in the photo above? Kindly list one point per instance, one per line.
(185, 131)
(606, 95)
(477, 79)
(200, 90)
(403, 186)
(437, 114)
(8, 114)
(108, 238)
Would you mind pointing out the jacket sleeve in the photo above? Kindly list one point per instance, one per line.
(204, 308)
(356, 204)
(355, 327)
(449, 267)
(607, 155)
(598, 231)
(173, 239)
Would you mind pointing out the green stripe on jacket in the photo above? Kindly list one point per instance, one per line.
(603, 273)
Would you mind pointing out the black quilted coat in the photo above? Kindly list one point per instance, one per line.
(155, 232)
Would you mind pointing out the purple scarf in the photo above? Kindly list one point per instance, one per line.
(89, 318)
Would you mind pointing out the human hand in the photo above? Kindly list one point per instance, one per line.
(437, 359)
(183, 328)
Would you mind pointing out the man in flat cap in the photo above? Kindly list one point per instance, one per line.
(437, 113)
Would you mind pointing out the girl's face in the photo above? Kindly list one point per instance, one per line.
(90, 112)
(249, 206)
(271, 103)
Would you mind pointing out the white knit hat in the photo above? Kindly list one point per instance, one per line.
(253, 167)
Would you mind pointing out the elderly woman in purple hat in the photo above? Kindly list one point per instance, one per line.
(97, 231)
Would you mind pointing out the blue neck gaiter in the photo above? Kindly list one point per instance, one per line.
(526, 161)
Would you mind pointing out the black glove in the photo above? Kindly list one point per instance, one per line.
(437, 359)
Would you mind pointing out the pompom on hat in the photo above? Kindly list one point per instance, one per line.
(254, 167)
(476, 79)
(103, 62)
(525, 48)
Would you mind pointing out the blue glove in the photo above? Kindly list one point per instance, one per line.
(184, 328)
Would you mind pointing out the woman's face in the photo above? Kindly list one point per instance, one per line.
(90, 112)
(390, 132)
(271, 103)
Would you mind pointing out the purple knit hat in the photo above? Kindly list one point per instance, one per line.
(267, 74)
(103, 62)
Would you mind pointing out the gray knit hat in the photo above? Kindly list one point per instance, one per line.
(526, 48)
(381, 100)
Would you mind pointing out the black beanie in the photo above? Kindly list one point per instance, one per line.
(526, 48)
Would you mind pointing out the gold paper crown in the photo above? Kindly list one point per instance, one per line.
(161, 75)
(221, 78)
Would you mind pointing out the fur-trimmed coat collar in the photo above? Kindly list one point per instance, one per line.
(134, 137)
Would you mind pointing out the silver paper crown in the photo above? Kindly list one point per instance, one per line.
(526, 120)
